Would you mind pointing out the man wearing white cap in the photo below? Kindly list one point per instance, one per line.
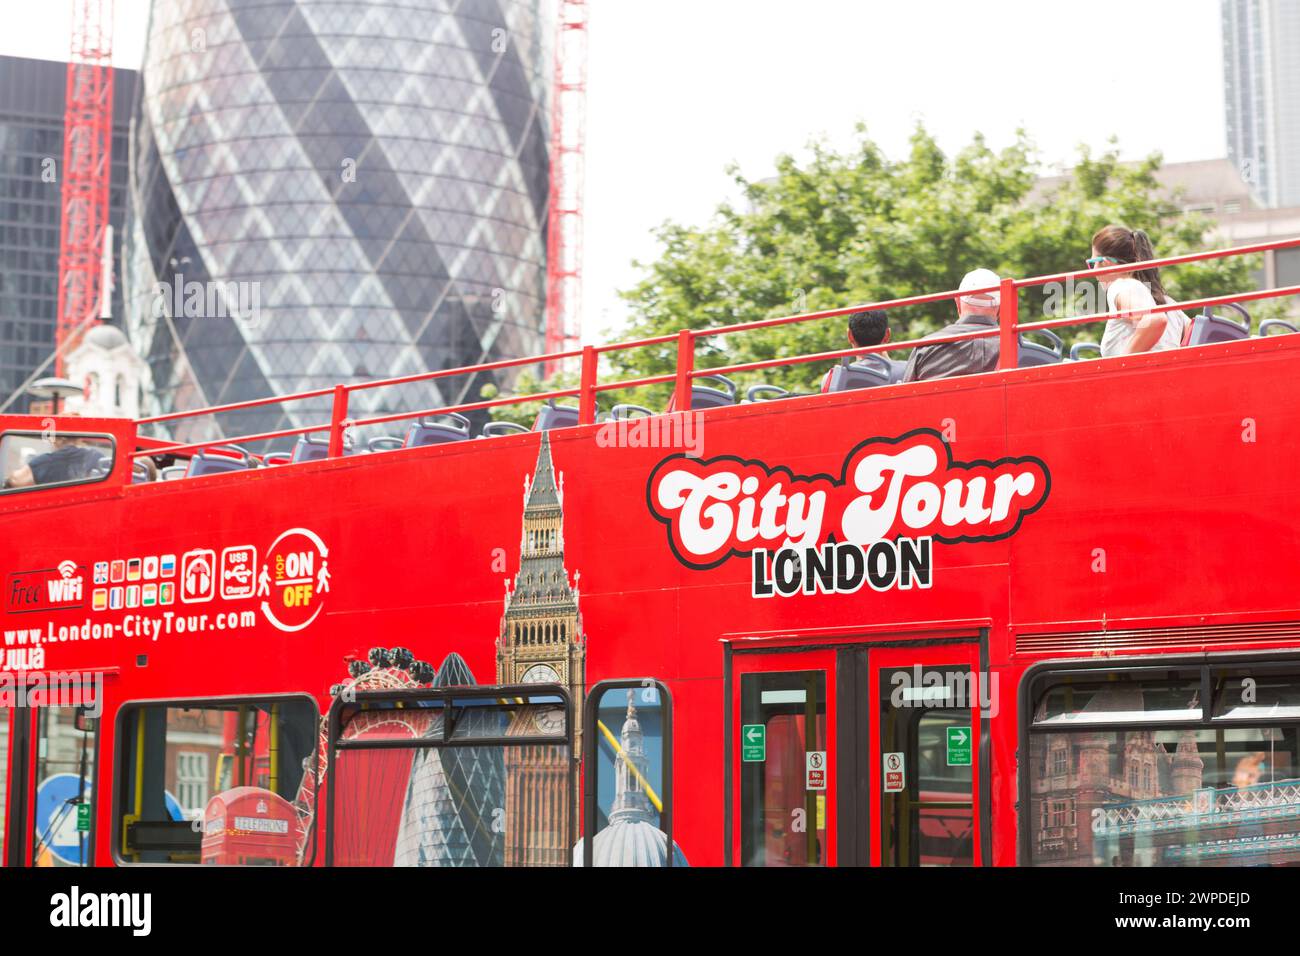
(979, 310)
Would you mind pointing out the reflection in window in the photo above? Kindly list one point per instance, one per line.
(498, 803)
(1120, 700)
(220, 783)
(1165, 796)
(630, 755)
(29, 459)
(64, 768)
(782, 822)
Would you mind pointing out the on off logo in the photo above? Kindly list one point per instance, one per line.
(294, 579)
(907, 487)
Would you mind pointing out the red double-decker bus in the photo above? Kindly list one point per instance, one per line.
(1045, 615)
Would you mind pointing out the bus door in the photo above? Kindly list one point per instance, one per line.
(783, 761)
(50, 754)
(924, 726)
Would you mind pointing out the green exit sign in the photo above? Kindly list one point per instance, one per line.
(83, 817)
(959, 741)
(753, 743)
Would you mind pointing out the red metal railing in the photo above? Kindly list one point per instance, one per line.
(1008, 329)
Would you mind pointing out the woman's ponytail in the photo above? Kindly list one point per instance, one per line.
(1142, 249)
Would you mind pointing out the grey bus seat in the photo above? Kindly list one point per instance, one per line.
(497, 429)
(709, 396)
(311, 448)
(1033, 353)
(210, 462)
(277, 458)
(872, 372)
(1266, 327)
(1079, 348)
(172, 472)
(1208, 328)
(139, 472)
(427, 431)
(384, 443)
(624, 411)
(555, 416)
(765, 393)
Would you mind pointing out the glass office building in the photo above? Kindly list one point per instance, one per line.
(31, 152)
(1261, 82)
(329, 192)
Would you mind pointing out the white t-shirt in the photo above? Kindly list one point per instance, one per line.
(1119, 331)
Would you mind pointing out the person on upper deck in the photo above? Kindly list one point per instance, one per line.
(978, 310)
(1134, 292)
(865, 329)
(68, 461)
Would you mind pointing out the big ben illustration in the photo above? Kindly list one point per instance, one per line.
(541, 642)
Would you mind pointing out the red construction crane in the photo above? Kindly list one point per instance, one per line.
(87, 170)
(568, 143)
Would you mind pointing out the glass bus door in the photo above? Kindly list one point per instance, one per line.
(924, 754)
(783, 758)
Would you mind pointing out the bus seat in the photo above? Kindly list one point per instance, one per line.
(139, 472)
(172, 472)
(497, 429)
(625, 411)
(1208, 328)
(708, 396)
(1033, 354)
(1078, 349)
(426, 431)
(1266, 327)
(873, 371)
(765, 393)
(555, 416)
(277, 458)
(384, 443)
(210, 461)
(310, 449)
(896, 370)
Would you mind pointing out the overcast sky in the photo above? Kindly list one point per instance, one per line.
(677, 89)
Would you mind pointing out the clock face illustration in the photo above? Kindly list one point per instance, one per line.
(550, 721)
(541, 674)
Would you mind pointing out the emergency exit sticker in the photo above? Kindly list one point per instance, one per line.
(895, 773)
(815, 770)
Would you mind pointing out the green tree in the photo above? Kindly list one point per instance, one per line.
(839, 228)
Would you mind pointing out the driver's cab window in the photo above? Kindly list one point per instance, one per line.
(49, 458)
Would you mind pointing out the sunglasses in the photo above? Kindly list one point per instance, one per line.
(1096, 261)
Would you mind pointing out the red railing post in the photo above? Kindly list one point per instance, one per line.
(1008, 317)
(685, 365)
(337, 417)
(587, 382)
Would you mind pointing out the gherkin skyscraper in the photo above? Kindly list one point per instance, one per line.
(329, 191)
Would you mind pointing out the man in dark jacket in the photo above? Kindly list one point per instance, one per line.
(974, 312)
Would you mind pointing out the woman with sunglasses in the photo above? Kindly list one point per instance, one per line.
(1134, 291)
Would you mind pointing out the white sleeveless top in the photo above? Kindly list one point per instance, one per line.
(1119, 331)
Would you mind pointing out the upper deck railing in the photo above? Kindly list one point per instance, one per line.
(1008, 329)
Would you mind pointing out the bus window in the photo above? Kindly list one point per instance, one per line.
(782, 822)
(628, 776)
(451, 777)
(228, 782)
(1136, 792)
(65, 766)
(46, 459)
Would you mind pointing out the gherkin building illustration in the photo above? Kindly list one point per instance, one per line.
(326, 192)
(452, 812)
